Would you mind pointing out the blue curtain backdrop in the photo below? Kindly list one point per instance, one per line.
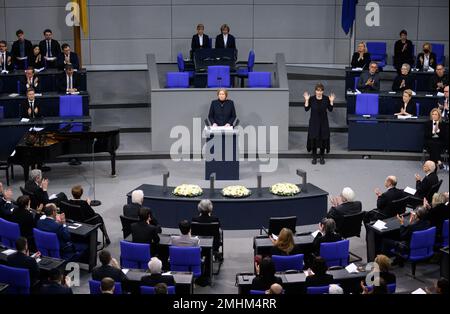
(348, 14)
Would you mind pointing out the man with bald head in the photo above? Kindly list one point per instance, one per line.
(384, 200)
(423, 186)
(275, 289)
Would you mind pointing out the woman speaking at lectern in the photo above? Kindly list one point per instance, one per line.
(222, 112)
(318, 130)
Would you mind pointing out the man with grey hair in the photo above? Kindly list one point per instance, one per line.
(344, 205)
(424, 186)
(132, 209)
(156, 276)
(369, 81)
(38, 187)
(335, 289)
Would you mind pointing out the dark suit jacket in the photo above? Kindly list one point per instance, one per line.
(328, 237)
(15, 49)
(260, 283)
(409, 83)
(100, 272)
(364, 63)
(411, 108)
(24, 111)
(21, 260)
(26, 222)
(443, 131)
(86, 212)
(5, 209)
(40, 195)
(231, 42)
(49, 225)
(195, 43)
(32, 61)
(388, 277)
(432, 62)
(423, 187)
(206, 219)
(35, 84)
(55, 49)
(403, 56)
(435, 80)
(73, 60)
(54, 288)
(142, 232)
(364, 78)
(345, 209)
(62, 82)
(222, 113)
(384, 201)
(154, 279)
(407, 231)
(131, 210)
(318, 280)
(436, 215)
(9, 67)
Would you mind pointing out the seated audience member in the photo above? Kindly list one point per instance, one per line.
(225, 39)
(36, 60)
(5, 58)
(438, 211)
(317, 275)
(423, 186)
(403, 51)
(6, 202)
(31, 80)
(426, 59)
(86, 211)
(439, 80)
(21, 50)
(361, 58)
(109, 269)
(344, 205)
(144, 232)
(107, 286)
(442, 286)
(30, 108)
(23, 216)
(185, 238)
(443, 105)
(284, 244)
(132, 210)
(404, 80)
(67, 57)
(205, 208)
(369, 81)
(381, 288)
(384, 200)
(265, 275)
(39, 186)
(384, 266)
(275, 289)
(335, 289)
(155, 277)
(161, 288)
(407, 106)
(22, 259)
(417, 222)
(327, 228)
(69, 82)
(200, 40)
(57, 283)
(436, 136)
(50, 49)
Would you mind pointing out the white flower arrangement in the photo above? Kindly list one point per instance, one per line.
(236, 191)
(187, 190)
(284, 189)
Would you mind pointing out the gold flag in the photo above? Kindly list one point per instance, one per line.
(84, 16)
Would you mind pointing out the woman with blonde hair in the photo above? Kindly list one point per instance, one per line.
(407, 106)
(222, 111)
(426, 59)
(284, 244)
(361, 58)
(436, 136)
(384, 266)
(438, 211)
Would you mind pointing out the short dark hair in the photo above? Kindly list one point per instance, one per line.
(64, 46)
(144, 213)
(19, 32)
(30, 90)
(319, 86)
(49, 209)
(107, 284)
(36, 46)
(29, 68)
(47, 30)
(160, 288)
(21, 243)
(55, 274)
(3, 42)
(403, 32)
(319, 266)
(105, 257)
(77, 191)
(185, 226)
(267, 268)
(23, 201)
(68, 67)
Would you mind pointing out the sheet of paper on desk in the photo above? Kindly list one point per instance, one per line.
(39, 70)
(315, 233)
(4, 71)
(419, 291)
(38, 260)
(357, 92)
(380, 225)
(167, 273)
(52, 197)
(404, 117)
(410, 190)
(125, 270)
(13, 153)
(38, 94)
(9, 252)
(75, 226)
(308, 273)
(357, 69)
(13, 95)
(36, 129)
(221, 128)
(352, 268)
(439, 94)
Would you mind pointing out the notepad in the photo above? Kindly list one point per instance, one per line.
(393, 93)
(75, 226)
(419, 291)
(403, 117)
(8, 252)
(410, 190)
(50, 58)
(38, 260)
(428, 95)
(125, 270)
(380, 225)
(315, 233)
(352, 268)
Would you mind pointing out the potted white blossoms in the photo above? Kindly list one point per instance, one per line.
(235, 191)
(284, 189)
(187, 190)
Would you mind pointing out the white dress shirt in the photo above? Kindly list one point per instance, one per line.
(200, 40)
(225, 39)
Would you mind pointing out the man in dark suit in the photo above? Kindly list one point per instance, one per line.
(132, 210)
(68, 57)
(50, 49)
(21, 259)
(327, 234)
(50, 224)
(144, 232)
(21, 50)
(69, 82)
(6, 63)
(369, 81)
(384, 200)
(423, 186)
(344, 205)
(6, 203)
(109, 268)
(57, 284)
(222, 111)
(225, 39)
(38, 187)
(30, 108)
(155, 277)
(200, 40)
(25, 218)
(439, 80)
(30, 80)
(319, 276)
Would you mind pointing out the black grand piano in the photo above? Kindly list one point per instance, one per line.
(50, 138)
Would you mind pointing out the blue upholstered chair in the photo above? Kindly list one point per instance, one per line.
(259, 79)
(186, 259)
(318, 290)
(71, 106)
(439, 51)
(285, 263)
(48, 244)
(335, 253)
(177, 80)
(95, 287)
(390, 288)
(18, 279)
(378, 54)
(257, 292)
(134, 255)
(9, 233)
(181, 67)
(242, 72)
(366, 104)
(445, 233)
(151, 290)
(219, 76)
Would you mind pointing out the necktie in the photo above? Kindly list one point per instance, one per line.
(32, 108)
(70, 82)
(49, 49)
(3, 61)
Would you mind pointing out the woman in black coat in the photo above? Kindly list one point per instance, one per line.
(426, 59)
(436, 136)
(361, 58)
(404, 80)
(222, 111)
(407, 106)
(319, 129)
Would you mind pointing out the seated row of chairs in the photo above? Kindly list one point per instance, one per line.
(325, 289)
(94, 288)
